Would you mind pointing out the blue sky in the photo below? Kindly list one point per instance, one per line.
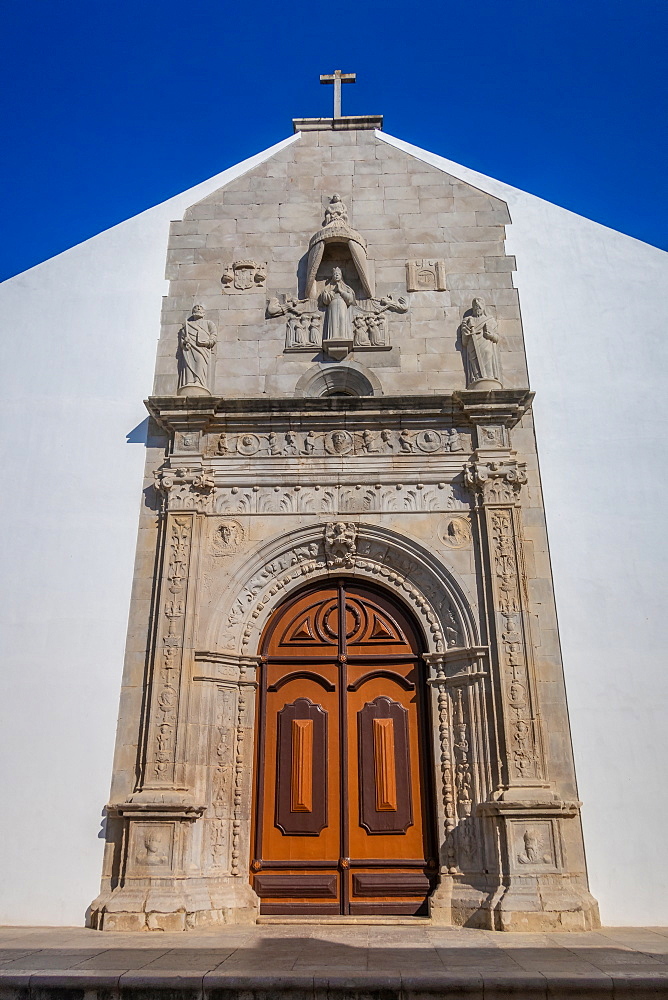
(108, 109)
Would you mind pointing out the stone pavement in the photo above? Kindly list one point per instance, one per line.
(409, 961)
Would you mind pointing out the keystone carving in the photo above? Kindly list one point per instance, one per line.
(340, 543)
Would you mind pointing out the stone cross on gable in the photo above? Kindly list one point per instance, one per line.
(337, 78)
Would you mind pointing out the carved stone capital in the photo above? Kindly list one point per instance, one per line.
(456, 665)
(187, 490)
(496, 482)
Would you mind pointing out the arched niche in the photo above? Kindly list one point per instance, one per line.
(345, 379)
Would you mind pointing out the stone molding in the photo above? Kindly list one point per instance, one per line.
(346, 123)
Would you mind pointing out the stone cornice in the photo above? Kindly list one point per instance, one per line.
(506, 406)
(346, 123)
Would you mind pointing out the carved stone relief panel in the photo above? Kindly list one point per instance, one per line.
(195, 355)
(244, 275)
(338, 442)
(455, 532)
(425, 275)
(222, 755)
(168, 659)
(186, 442)
(534, 845)
(151, 848)
(339, 311)
(492, 436)
(226, 536)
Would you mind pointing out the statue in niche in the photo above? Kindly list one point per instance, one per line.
(197, 340)
(337, 230)
(331, 317)
(337, 297)
(480, 340)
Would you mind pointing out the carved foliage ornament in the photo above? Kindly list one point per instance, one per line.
(522, 752)
(169, 656)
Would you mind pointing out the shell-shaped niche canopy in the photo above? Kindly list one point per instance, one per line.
(337, 230)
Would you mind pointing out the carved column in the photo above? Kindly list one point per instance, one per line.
(457, 678)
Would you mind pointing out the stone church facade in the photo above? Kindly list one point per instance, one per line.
(342, 503)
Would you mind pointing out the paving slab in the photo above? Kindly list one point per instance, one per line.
(333, 962)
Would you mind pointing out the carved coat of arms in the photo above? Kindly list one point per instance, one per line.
(244, 274)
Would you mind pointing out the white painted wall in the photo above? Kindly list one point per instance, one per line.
(81, 331)
(595, 313)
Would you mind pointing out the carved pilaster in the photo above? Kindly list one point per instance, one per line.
(181, 862)
(521, 820)
(159, 769)
(497, 488)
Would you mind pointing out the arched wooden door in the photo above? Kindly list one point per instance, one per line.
(343, 818)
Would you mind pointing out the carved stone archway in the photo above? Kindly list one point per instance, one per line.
(371, 552)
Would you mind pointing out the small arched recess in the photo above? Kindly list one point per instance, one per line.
(345, 379)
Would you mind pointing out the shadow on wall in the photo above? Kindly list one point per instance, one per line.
(138, 434)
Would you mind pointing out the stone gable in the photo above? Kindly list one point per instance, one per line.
(413, 218)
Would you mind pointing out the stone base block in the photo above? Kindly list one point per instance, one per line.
(193, 390)
(524, 905)
(181, 906)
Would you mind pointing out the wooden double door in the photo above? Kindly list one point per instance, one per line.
(343, 817)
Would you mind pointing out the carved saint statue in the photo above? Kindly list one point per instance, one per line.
(197, 339)
(337, 297)
(480, 340)
(336, 211)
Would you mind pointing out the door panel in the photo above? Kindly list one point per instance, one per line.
(343, 820)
